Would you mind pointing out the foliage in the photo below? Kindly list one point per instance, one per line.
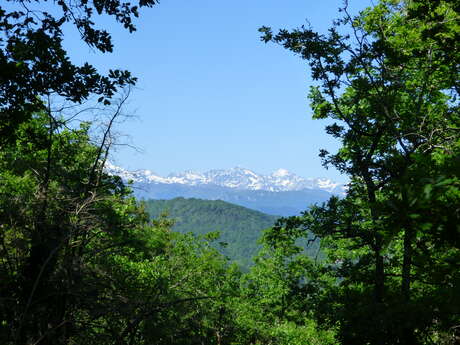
(390, 82)
(34, 65)
(276, 304)
(80, 261)
(239, 228)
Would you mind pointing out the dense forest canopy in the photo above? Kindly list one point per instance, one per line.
(392, 87)
(82, 263)
(238, 228)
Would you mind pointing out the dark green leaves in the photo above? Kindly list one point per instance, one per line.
(34, 64)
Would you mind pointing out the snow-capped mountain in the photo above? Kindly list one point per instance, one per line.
(237, 178)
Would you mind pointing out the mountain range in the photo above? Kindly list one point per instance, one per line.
(281, 193)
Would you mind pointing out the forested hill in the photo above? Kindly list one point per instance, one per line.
(239, 226)
(82, 263)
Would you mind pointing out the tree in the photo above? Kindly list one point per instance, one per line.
(276, 301)
(390, 82)
(81, 262)
(34, 64)
(55, 201)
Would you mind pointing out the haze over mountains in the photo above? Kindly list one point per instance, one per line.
(280, 180)
(281, 193)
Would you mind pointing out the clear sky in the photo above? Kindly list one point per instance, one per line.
(211, 94)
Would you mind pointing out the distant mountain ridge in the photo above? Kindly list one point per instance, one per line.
(281, 193)
(239, 178)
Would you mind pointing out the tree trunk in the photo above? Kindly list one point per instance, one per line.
(408, 336)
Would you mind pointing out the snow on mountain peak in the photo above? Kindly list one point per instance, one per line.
(237, 178)
(281, 173)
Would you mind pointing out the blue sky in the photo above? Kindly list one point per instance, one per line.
(212, 95)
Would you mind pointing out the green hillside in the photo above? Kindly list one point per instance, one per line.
(239, 227)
